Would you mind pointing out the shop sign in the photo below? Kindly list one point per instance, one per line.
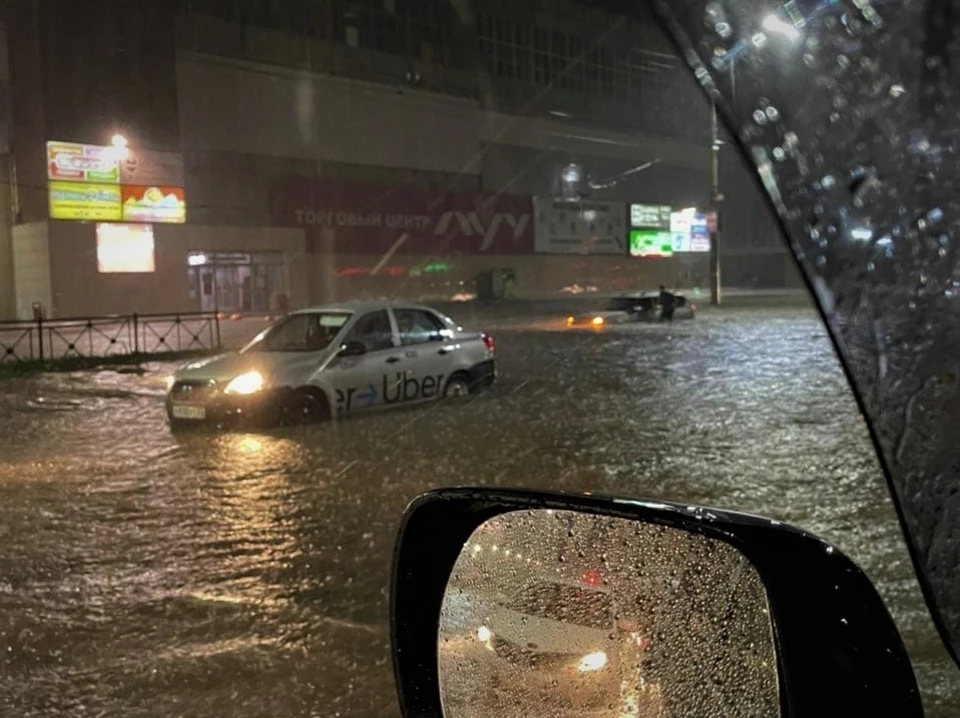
(82, 163)
(651, 243)
(125, 248)
(579, 226)
(85, 201)
(354, 217)
(650, 216)
(154, 204)
(152, 168)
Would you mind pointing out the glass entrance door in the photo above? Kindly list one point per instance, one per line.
(237, 283)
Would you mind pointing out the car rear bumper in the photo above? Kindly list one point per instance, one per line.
(483, 375)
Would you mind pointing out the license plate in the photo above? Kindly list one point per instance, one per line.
(181, 411)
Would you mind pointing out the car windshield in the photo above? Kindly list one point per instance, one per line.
(192, 527)
(304, 332)
(567, 604)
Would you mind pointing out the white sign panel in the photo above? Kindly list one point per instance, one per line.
(150, 167)
(650, 216)
(580, 226)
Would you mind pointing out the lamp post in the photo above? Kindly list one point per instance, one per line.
(715, 199)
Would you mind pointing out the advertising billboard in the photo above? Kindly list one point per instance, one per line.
(82, 163)
(650, 216)
(361, 218)
(150, 167)
(580, 226)
(690, 231)
(650, 243)
(125, 248)
(153, 204)
(84, 201)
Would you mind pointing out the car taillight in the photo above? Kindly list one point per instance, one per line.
(489, 343)
(693, 307)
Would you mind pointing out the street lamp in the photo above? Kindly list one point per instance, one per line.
(119, 143)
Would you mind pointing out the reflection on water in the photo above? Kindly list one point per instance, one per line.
(147, 574)
(575, 613)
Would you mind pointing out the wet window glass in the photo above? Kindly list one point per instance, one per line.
(418, 327)
(301, 333)
(171, 548)
(373, 330)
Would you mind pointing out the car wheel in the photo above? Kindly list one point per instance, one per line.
(457, 386)
(303, 408)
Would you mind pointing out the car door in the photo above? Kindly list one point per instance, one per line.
(361, 382)
(427, 354)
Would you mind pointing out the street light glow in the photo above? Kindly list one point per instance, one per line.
(772, 23)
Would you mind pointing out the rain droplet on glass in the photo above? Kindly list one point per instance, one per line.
(760, 117)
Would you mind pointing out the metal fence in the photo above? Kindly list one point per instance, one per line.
(54, 339)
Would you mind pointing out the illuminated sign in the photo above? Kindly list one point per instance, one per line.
(84, 201)
(650, 243)
(82, 163)
(650, 216)
(125, 248)
(690, 231)
(154, 204)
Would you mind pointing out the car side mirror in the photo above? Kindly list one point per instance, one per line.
(538, 604)
(352, 349)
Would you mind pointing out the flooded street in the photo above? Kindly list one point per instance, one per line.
(149, 574)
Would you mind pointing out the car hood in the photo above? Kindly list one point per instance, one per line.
(545, 635)
(222, 367)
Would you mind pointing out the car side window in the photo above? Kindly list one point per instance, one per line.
(418, 327)
(373, 330)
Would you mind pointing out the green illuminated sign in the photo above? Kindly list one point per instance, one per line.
(650, 243)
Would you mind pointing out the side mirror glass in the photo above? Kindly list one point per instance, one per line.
(553, 611)
(525, 603)
(352, 349)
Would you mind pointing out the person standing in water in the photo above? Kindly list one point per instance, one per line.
(666, 304)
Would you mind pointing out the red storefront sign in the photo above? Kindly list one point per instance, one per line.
(378, 219)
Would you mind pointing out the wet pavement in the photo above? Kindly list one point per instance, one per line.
(150, 574)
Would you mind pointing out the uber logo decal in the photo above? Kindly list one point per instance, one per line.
(408, 388)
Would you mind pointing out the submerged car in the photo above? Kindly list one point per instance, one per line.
(627, 309)
(334, 360)
(554, 630)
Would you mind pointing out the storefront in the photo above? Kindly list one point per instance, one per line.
(238, 282)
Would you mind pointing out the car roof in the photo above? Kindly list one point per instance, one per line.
(356, 307)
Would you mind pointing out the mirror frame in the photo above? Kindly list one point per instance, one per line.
(838, 649)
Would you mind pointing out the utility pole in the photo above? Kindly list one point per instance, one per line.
(715, 199)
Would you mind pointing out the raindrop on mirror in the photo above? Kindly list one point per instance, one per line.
(645, 621)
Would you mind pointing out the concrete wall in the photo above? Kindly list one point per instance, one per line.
(232, 105)
(31, 262)
(79, 290)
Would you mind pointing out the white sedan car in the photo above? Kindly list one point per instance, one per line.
(334, 360)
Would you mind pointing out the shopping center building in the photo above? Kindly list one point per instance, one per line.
(271, 155)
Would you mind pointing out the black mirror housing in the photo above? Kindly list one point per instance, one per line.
(352, 349)
(838, 649)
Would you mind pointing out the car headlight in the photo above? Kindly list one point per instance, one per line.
(597, 321)
(592, 662)
(170, 380)
(249, 383)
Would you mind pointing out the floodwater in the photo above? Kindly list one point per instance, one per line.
(147, 574)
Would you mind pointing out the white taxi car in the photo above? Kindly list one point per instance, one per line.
(334, 360)
(563, 641)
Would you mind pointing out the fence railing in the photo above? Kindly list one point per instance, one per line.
(52, 339)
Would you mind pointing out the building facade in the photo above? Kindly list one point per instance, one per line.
(335, 149)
